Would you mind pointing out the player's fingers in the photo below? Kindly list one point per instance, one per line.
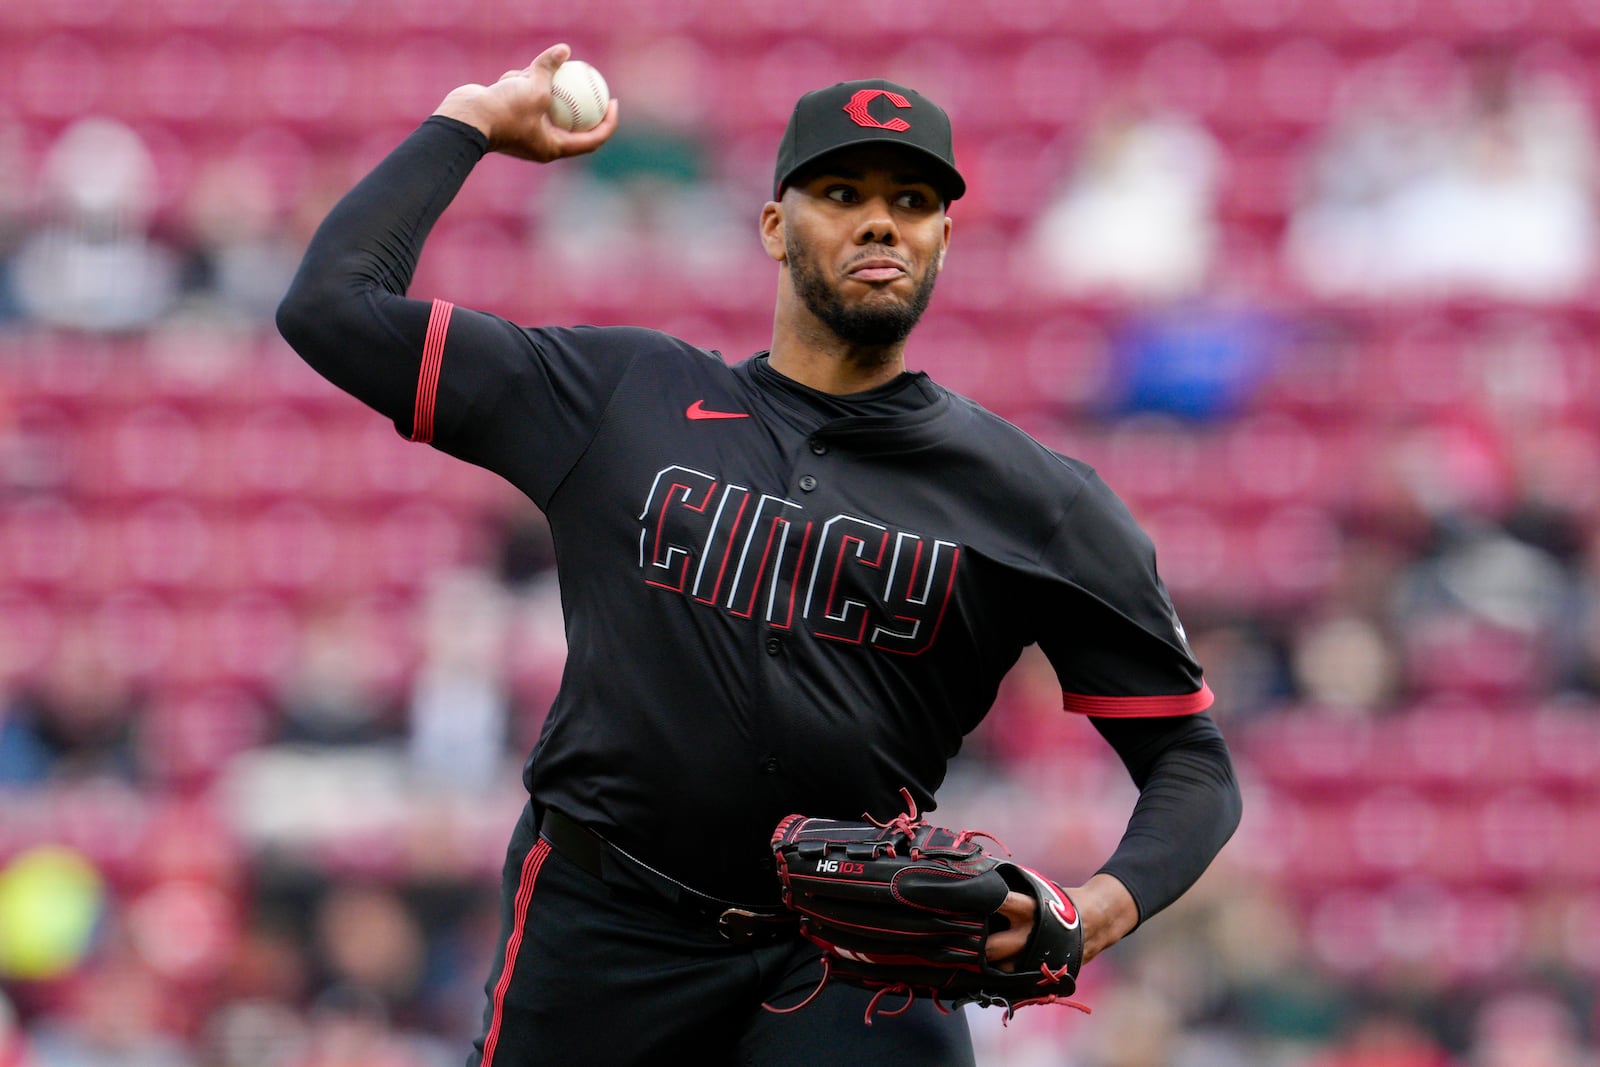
(551, 58)
(579, 143)
(1017, 910)
(1002, 947)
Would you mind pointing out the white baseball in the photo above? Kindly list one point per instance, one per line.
(578, 96)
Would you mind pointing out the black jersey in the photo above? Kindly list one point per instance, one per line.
(774, 600)
(793, 611)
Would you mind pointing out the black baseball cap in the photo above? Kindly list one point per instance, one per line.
(873, 111)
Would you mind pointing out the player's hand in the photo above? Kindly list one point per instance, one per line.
(514, 113)
(1104, 906)
(1018, 911)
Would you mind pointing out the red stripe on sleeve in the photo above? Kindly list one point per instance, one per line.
(530, 874)
(1139, 707)
(428, 376)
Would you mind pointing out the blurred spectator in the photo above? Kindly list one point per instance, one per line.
(1385, 1039)
(1201, 358)
(1271, 999)
(115, 1016)
(14, 1051)
(253, 1033)
(1346, 663)
(459, 708)
(241, 252)
(1490, 195)
(524, 553)
(1136, 1028)
(653, 201)
(331, 695)
(1483, 610)
(1136, 216)
(1246, 659)
(92, 261)
(1521, 1028)
(80, 720)
(13, 213)
(366, 938)
(349, 1027)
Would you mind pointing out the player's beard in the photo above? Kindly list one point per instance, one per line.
(879, 325)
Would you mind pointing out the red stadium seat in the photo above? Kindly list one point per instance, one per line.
(1274, 458)
(1311, 752)
(151, 448)
(1578, 860)
(30, 630)
(1068, 363)
(1188, 77)
(1443, 746)
(170, 545)
(191, 734)
(1566, 745)
(1296, 552)
(1394, 831)
(1523, 832)
(62, 77)
(1196, 558)
(1269, 18)
(249, 639)
(182, 78)
(290, 547)
(1050, 85)
(136, 632)
(1482, 933)
(275, 450)
(1344, 930)
(44, 543)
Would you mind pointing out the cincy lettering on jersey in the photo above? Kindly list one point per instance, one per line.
(762, 557)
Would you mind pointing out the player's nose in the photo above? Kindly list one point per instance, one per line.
(877, 225)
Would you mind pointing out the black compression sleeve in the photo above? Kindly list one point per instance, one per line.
(346, 303)
(1188, 806)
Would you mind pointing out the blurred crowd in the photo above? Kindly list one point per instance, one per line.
(1364, 438)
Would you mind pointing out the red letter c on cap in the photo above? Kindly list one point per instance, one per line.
(857, 110)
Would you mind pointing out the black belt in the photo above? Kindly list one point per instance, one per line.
(741, 923)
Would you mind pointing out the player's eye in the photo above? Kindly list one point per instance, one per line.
(912, 200)
(843, 194)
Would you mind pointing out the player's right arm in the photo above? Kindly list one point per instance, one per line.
(347, 312)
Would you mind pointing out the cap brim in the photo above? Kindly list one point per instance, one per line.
(943, 176)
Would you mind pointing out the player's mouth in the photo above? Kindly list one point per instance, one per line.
(877, 269)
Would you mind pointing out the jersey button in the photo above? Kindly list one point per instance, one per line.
(808, 483)
(819, 448)
(769, 765)
(774, 646)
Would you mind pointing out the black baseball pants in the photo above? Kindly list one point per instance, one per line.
(594, 971)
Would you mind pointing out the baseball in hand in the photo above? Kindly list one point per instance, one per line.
(578, 96)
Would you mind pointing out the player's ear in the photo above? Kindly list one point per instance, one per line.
(772, 231)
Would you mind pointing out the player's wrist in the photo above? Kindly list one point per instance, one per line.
(1106, 909)
(466, 105)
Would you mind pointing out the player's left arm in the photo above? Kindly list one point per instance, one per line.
(1189, 806)
(1104, 619)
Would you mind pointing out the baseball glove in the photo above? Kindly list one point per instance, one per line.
(903, 909)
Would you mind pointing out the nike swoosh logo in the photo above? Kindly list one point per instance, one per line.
(697, 410)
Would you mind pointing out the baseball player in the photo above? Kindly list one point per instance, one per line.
(791, 582)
